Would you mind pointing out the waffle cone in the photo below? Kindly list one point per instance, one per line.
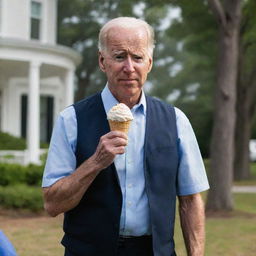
(119, 126)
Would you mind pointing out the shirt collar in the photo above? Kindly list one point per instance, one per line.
(109, 101)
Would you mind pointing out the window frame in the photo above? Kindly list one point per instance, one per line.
(36, 20)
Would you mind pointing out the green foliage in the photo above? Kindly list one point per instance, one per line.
(9, 142)
(12, 174)
(34, 174)
(254, 128)
(21, 196)
(20, 186)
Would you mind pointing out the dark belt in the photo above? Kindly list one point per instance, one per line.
(135, 239)
(135, 245)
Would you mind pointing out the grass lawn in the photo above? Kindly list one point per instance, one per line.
(227, 235)
(34, 236)
(231, 234)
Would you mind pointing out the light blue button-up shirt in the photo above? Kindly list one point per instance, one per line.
(135, 219)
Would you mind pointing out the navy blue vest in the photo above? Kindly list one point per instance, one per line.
(92, 227)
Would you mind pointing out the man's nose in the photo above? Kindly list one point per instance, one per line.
(129, 65)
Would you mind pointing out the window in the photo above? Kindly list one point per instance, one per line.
(46, 118)
(36, 12)
(24, 114)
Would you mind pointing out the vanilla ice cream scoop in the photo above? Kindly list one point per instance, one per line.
(119, 118)
(120, 113)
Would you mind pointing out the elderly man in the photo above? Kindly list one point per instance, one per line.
(118, 192)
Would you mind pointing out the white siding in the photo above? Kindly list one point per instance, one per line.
(51, 21)
(1, 16)
(15, 18)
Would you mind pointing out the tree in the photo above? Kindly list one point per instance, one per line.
(228, 15)
(197, 33)
(246, 91)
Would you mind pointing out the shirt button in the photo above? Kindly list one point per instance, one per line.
(129, 203)
(130, 185)
(129, 161)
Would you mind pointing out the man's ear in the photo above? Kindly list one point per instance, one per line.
(101, 59)
(150, 64)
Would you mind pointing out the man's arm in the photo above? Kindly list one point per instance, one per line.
(192, 218)
(66, 193)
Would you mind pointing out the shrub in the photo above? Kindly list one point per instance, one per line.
(34, 174)
(9, 142)
(21, 196)
(11, 174)
(20, 186)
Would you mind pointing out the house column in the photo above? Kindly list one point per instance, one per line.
(69, 84)
(33, 135)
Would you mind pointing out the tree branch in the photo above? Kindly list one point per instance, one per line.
(218, 11)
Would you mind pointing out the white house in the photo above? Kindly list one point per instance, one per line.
(36, 74)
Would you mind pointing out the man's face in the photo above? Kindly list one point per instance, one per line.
(126, 61)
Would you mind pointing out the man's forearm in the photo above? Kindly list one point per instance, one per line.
(192, 218)
(66, 193)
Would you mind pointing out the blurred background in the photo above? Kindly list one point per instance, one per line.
(204, 64)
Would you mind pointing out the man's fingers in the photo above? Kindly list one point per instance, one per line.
(114, 138)
(117, 142)
(119, 150)
(114, 134)
(110, 145)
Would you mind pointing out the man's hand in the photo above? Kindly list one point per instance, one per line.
(110, 145)
(192, 218)
(67, 192)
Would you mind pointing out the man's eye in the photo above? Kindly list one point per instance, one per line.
(138, 57)
(119, 57)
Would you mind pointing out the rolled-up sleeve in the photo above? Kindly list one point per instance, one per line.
(61, 159)
(191, 174)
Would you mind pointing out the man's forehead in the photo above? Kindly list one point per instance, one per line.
(126, 47)
(132, 33)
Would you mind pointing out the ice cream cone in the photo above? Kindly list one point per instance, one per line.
(119, 118)
(119, 126)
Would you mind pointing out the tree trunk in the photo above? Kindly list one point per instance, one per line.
(222, 144)
(243, 134)
(245, 106)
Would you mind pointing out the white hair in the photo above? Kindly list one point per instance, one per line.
(126, 22)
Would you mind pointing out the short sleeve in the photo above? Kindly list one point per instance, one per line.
(192, 177)
(61, 159)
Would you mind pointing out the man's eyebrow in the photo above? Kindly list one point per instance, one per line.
(119, 51)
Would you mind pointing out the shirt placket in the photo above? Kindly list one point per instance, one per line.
(130, 176)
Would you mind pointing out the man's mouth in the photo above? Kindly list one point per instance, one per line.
(128, 79)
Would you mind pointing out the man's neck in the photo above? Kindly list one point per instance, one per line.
(128, 101)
